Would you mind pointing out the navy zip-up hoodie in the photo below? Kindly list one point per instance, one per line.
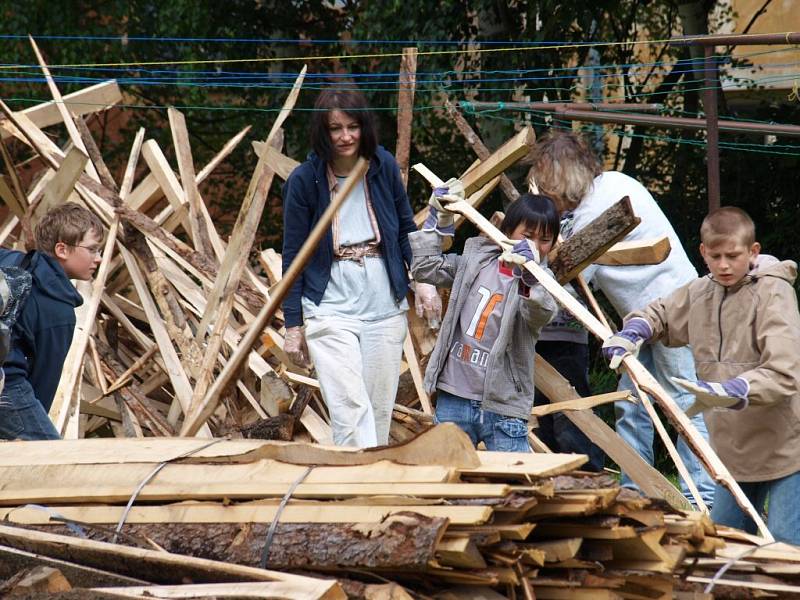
(305, 198)
(41, 337)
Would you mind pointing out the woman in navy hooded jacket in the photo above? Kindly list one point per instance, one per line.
(346, 311)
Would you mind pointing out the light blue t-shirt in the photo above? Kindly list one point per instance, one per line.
(357, 289)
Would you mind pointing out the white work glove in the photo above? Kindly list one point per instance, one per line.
(294, 344)
(731, 393)
(440, 220)
(428, 303)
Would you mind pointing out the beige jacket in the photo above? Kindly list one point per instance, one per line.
(750, 330)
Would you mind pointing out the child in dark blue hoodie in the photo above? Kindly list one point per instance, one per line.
(68, 246)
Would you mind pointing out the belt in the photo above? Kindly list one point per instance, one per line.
(357, 252)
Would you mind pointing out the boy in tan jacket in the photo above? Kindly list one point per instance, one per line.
(742, 323)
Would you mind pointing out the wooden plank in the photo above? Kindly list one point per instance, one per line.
(259, 472)
(72, 130)
(636, 252)
(281, 164)
(445, 445)
(95, 98)
(61, 492)
(639, 374)
(586, 403)
(151, 565)
(164, 175)
(267, 590)
(324, 512)
(516, 464)
(461, 553)
(10, 198)
(183, 153)
(582, 249)
(405, 109)
(58, 190)
(502, 158)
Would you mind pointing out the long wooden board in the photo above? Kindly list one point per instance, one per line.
(322, 512)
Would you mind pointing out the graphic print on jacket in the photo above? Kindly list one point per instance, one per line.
(478, 324)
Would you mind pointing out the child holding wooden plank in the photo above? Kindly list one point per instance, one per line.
(68, 246)
(743, 326)
(482, 364)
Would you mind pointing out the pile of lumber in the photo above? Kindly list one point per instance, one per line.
(433, 517)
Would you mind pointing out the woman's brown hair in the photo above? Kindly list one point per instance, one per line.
(354, 105)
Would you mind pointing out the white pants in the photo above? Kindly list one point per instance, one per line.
(358, 367)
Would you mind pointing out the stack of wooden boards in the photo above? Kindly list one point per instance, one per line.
(432, 516)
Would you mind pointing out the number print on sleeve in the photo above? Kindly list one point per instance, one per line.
(485, 307)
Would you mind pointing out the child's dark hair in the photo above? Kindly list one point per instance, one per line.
(534, 210)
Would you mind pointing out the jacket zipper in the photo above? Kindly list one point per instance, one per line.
(719, 323)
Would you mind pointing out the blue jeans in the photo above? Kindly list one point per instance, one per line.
(636, 428)
(783, 518)
(497, 432)
(22, 416)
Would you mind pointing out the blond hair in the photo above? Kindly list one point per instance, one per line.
(564, 168)
(725, 223)
(67, 223)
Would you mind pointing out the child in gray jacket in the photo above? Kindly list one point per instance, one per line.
(482, 364)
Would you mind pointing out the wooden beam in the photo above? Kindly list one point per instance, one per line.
(183, 152)
(592, 241)
(636, 252)
(281, 164)
(218, 591)
(405, 109)
(92, 99)
(444, 445)
(586, 403)
(164, 175)
(72, 130)
(62, 185)
(326, 512)
(502, 158)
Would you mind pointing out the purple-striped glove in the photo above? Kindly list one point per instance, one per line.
(628, 341)
(521, 252)
(731, 393)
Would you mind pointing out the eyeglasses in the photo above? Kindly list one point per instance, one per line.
(93, 250)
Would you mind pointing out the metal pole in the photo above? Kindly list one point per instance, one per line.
(628, 118)
(712, 128)
(740, 39)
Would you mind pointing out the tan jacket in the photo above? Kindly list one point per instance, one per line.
(749, 330)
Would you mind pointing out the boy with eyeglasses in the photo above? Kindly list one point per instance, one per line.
(68, 245)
